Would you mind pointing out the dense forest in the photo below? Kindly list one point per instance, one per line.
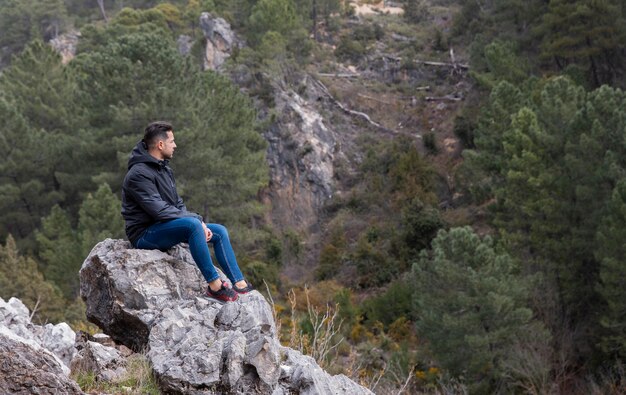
(495, 267)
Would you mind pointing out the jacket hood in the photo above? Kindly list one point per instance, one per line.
(140, 155)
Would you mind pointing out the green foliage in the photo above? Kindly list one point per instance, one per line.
(391, 305)
(555, 154)
(502, 64)
(612, 277)
(331, 256)
(25, 20)
(99, 218)
(589, 33)
(20, 278)
(273, 15)
(60, 252)
(39, 111)
(419, 224)
(374, 266)
(259, 272)
(63, 248)
(350, 50)
(415, 11)
(397, 169)
(279, 16)
(470, 304)
(464, 130)
(430, 143)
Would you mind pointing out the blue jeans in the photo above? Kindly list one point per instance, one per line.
(165, 235)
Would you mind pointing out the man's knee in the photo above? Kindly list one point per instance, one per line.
(220, 229)
(192, 224)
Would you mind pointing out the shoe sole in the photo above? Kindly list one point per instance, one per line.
(221, 301)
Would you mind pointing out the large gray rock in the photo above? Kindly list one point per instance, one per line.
(155, 300)
(59, 339)
(28, 368)
(125, 289)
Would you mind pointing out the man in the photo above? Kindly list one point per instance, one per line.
(156, 217)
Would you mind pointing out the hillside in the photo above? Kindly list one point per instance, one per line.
(430, 193)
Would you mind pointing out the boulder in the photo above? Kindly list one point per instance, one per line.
(28, 368)
(58, 339)
(154, 300)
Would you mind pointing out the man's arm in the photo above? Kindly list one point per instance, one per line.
(145, 193)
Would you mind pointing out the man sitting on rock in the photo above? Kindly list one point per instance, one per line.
(156, 217)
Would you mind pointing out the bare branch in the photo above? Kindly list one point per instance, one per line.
(408, 380)
(32, 313)
(103, 11)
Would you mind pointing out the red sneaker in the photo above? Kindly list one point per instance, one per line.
(224, 294)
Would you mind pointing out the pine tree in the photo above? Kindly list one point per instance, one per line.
(587, 33)
(99, 218)
(40, 141)
(470, 304)
(223, 166)
(25, 20)
(557, 165)
(20, 277)
(611, 253)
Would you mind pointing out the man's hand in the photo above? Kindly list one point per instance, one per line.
(207, 232)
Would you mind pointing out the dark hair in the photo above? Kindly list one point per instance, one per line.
(156, 131)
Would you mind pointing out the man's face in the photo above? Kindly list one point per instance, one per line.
(168, 146)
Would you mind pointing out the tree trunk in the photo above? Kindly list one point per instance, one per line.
(102, 10)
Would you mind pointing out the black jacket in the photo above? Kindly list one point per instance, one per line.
(149, 194)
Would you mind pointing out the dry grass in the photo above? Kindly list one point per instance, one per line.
(139, 379)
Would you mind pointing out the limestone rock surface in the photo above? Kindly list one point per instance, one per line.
(57, 339)
(27, 368)
(220, 40)
(153, 300)
(105, 362)
(66, 44)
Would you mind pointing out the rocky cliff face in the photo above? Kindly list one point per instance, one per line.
(152, 300)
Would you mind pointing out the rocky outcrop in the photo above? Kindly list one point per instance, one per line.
(34, 359)
(308, 156)
(27, 368)
(58, 339)
(66, 44)
(154, 300)
(220, 40)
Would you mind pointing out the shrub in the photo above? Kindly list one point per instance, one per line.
(430, 143)
(350, 50)
(388, 307)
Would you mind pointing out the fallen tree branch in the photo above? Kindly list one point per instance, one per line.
(443, 98)
(339, 75)
(357, 114)
(373, 99)
(443, 64)
(453, 65)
